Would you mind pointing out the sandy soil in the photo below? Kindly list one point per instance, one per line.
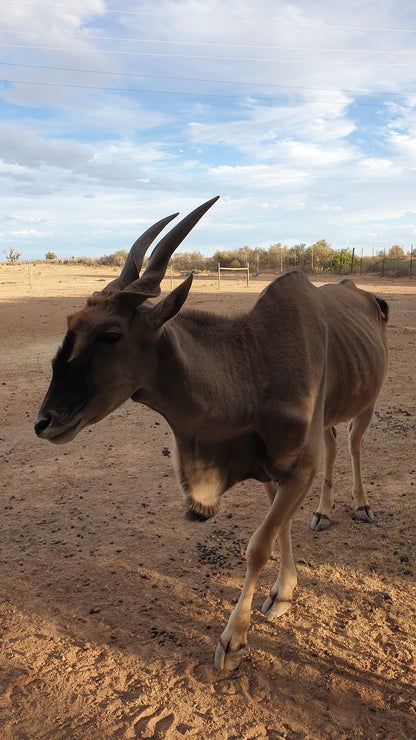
(112, 604)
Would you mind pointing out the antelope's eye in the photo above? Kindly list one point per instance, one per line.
(111, 337)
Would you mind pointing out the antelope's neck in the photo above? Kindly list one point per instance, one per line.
(200, 380)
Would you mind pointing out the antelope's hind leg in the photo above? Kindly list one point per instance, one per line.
(322, 518)
(358, 426)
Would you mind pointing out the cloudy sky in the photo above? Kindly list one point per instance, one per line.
(301, 115)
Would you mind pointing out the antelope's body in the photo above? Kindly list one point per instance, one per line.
(256, 396)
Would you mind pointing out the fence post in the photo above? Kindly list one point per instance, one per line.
(219, 275)
(30, 270)
(384, 259)
(352, 260)
(248, 274)
(411, 261)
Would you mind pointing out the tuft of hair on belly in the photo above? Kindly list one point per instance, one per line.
(195, 511)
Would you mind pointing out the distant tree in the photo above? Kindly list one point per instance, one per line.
(244, 255)
(299, 251)
(263, 262)
(114, 260)
(238, 257)
(395, 252)
(189, 261)
(322, 255)
(273, 258)
(12, 254)
(198, 262)
(294, 257)
(342, 260)
(50, 256)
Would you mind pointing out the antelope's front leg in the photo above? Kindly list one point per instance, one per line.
(289, 495)
(233, 641)
(280, 599)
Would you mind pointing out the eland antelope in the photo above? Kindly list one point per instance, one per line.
(253, 396)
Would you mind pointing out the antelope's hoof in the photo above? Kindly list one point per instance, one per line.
(273, 609)
(363, 514)
(320, 522)
(227, 660)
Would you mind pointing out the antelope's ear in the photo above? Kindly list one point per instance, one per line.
(172, 303)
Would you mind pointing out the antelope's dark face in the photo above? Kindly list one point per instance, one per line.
(106, 356)
(109, 351)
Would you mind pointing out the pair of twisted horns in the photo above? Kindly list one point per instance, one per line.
(148, 285)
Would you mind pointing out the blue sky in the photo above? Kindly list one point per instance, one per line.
(300, 115)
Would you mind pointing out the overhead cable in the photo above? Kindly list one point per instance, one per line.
(178, 42)
(204, 56)
(193, 94)
(199, 18)
(112, 73)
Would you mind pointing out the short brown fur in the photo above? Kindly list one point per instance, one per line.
(257, 396)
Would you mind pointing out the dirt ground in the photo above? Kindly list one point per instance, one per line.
(112, 604)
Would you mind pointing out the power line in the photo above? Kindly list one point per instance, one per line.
(177, 42)
(112, 73)
(192, 94)
(152, 92)
(254, 21)
(205, 56)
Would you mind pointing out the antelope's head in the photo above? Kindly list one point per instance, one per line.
(108, 352)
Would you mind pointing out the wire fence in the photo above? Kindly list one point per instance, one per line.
(257, 262)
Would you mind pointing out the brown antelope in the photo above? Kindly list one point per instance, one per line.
(255, 396)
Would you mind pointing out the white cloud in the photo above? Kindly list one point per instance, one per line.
(306, 154)
(24, 155)
(405, 146)
(372, 168)
(282, 137)
(305, 134)
(258, 176)
(23, 146)
(15, 170)
(26, 233)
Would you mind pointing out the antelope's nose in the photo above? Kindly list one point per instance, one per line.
(42, 422)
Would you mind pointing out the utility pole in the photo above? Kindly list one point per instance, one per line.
(352, 260)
